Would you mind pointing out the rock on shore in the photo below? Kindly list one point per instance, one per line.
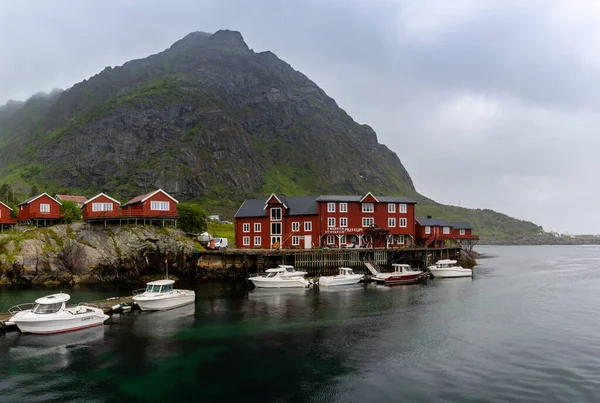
(78, 253)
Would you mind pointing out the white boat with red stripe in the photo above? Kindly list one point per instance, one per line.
(50, 315)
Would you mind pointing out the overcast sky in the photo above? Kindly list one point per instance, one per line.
(488, 103)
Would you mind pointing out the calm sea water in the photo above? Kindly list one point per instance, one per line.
(524, 329)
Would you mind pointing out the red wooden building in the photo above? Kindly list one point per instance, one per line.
(436, 232)
(156, 204)
(325, 221)
(101, 207)
(6, 219)
(39, 208)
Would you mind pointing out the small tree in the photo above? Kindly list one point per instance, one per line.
(192, 218)
(70, 211)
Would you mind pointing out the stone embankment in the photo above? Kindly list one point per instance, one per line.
(77, 253)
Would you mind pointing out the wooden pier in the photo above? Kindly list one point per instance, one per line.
(241, 262)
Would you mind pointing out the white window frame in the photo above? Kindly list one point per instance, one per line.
(330, 239)
(296, 240)
(157, 205)
(462, 232)
(428, 229)
(274, 225)
(367, 221)
(256, 227)
(344, 222)
(391, 208)
(401, 240)
(330, 222)
(246, 241)
(342, 239)
(273, 216)
(402, 223)
(331, 207)
(307, 225)
(446, 230)
(391, 222)
(402, 208)
(101, 206)
(296, 226)
(44, 208)
(368, 207)
(246, 227)
(343, 207)
(257, 241)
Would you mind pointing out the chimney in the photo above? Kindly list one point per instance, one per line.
(429, 216)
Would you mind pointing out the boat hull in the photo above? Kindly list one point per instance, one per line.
(450, 272)
(165, 302)
(34, 324)
(260, 282)
(405, 279)
(330, 281)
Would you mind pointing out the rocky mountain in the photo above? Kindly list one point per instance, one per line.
(208, 120)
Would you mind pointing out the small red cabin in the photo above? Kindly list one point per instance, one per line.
(155, 204)
(100, 206)
(463, 230)
(40, 207)
(5, 215)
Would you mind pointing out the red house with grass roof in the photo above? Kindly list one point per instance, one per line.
(40, 207)
(100, 207)
(156, 204)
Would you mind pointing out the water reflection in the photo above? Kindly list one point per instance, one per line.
(50, 352)
(162, 324)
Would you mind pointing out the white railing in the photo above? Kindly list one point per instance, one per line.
(138, 291)
(20, 308)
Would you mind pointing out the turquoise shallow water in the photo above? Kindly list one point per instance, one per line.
(524, 329)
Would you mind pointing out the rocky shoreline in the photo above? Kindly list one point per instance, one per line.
(81, 254)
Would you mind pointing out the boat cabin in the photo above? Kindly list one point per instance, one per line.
(445, 263)
(160, 286)
(402, 268)
(50, 304)
(346, 271)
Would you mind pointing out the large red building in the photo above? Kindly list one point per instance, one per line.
(325, 221)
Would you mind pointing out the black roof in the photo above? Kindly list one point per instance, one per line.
(433, 222)
(304, 205)
(382, 199)
(461, 225)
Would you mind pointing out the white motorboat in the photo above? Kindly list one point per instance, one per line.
(283, 276)
(448, 268)
(159, 296)
(345, 277)
(50, 315)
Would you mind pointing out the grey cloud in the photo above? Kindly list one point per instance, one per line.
(496, 110)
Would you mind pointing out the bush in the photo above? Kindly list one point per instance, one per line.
(70, 211)
(192, 218)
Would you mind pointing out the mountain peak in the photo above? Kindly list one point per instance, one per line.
(230, 39)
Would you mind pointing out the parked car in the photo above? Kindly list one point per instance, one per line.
(221, 243)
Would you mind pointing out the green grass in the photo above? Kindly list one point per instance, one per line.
(220, 230)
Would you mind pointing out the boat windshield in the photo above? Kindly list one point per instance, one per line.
(167, 288)
(273, 274)
(290, 269)
(47, 308)
(155, 288)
